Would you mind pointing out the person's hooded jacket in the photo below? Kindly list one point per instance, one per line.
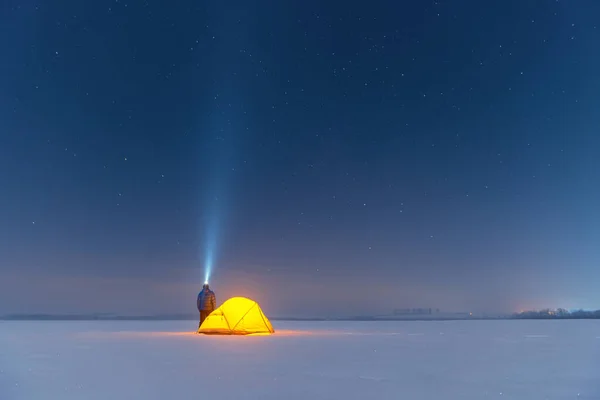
(207, 300)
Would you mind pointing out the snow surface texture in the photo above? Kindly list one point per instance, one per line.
(304, 360)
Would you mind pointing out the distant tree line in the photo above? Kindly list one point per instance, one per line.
(560, 313)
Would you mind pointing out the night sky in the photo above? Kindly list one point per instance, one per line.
(328, 158)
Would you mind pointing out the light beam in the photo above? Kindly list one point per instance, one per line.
(221, 139)
(210, 245)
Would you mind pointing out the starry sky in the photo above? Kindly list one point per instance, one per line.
(328, 159)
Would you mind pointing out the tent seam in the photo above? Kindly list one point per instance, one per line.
(265, 322)
(227, 321)
(243, 316)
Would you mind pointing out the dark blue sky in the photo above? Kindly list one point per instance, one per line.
(335, 159)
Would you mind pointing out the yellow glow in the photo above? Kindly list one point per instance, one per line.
(237, 316)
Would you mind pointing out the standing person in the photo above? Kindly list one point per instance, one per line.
(206, 302)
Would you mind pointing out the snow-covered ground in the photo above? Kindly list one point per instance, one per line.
(304, 360)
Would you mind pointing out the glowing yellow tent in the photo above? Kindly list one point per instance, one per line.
(237, 316)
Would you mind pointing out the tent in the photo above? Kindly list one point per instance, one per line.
(237, 316)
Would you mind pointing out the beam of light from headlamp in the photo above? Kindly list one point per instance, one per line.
(210, 247)
(224, 117)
